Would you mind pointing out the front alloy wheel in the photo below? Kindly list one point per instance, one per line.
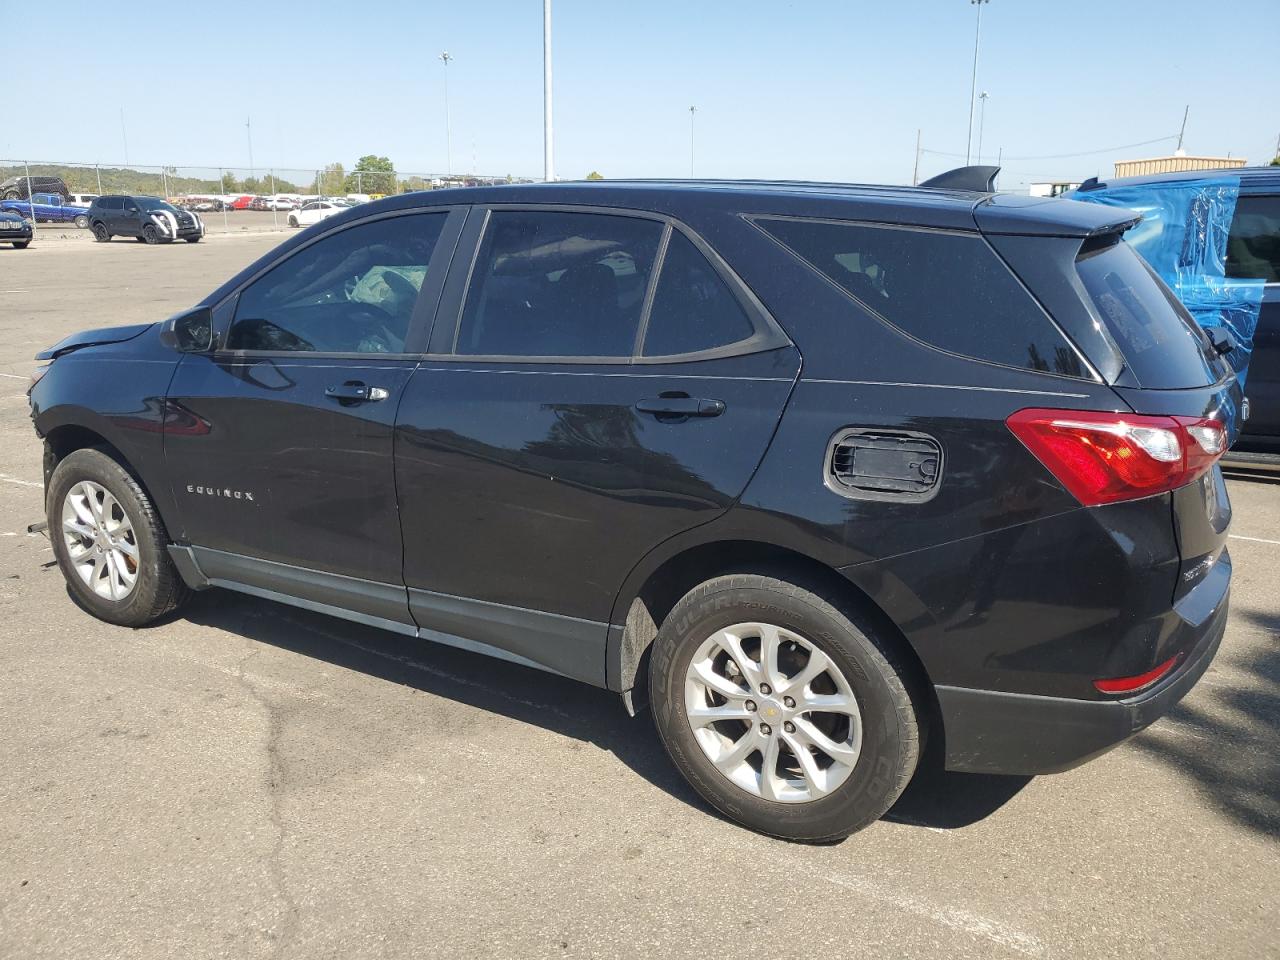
(101, 543)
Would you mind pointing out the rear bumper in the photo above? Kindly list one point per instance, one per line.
(988, 731)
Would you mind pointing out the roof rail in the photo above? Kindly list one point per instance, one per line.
(979, 179)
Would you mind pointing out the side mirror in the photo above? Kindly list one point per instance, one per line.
(190, 332)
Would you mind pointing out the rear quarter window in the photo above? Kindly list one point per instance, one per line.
(1161, 343)
(1253, 246)
(949, 290)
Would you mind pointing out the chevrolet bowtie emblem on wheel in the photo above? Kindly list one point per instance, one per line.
(223, 492)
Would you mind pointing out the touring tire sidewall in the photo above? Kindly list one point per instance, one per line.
(888, 744)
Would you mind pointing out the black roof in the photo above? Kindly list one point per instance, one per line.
(922, 206)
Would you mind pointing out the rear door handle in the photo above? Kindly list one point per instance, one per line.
(355, 392)
(672, 407)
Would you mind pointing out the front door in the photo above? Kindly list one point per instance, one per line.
(1253, 252)
(279, 445)
(579, 415)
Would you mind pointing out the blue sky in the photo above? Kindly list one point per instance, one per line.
(817, 90)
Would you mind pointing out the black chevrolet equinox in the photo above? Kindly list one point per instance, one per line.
(819, 472)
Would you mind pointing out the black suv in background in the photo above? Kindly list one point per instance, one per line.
(16, 229)
(21, 188)
(148, 219)
(819, 470)
(1252, 253)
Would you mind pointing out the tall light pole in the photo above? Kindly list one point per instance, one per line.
(982, 120)
(973, 87)
(548, 146)
(248, 131)
(448, 125)
(692, 113)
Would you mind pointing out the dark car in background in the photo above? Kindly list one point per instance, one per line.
(1252, 253)
(21, 188)
(823, 473)
(15, 229)
(148, 219)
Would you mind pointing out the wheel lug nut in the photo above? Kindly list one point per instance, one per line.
(789, 727)
(766, 729)
(788, 702)
(751, 706)
(765, 689)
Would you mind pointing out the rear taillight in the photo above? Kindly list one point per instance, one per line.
(1140, 682)
(1106, 457)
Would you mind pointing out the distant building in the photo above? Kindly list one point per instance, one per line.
(1051, 188)
(1178, 163)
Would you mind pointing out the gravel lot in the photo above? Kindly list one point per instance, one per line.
(249, 780)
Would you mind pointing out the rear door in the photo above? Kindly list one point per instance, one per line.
(603, 382)
(279, 444)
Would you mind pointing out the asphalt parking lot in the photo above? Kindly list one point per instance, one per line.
(248, 780)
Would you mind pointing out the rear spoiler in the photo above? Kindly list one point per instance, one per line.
(975, 178)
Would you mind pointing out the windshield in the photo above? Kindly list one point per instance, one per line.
(151, 204)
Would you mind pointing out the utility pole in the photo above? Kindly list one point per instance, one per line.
(973, 86)
(692, 113)
(548, 147)
(448, 125)
(982, 120)
(915, 171)
(248, 130)
(1184, 127)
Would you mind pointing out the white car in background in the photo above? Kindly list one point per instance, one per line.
(81, 200)
(281, 203)
(315, 211)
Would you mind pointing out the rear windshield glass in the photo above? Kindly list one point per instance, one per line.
(1160, 341)
(949, 290)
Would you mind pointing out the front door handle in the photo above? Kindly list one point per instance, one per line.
(680, 407)
(355, 392)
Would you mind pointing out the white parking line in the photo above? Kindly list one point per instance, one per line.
(22, 483)
(1236, 536)
(14, 376)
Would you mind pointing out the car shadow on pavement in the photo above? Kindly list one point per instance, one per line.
(935, 798)
(1225, 735)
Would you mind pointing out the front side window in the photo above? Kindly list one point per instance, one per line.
(1253, 246)
(551, 284)
(352, 292)
(948, 290)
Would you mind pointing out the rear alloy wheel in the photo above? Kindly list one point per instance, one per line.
(110, 542)
(150, 234)
(100, 232)
(784, 712)
(81, 221)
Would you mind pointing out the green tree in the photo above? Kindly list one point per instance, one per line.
(1275, 162)
(372, 174)
(595, 175)
(229, 183)
(330, 180)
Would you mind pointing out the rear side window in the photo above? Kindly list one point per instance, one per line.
(1253, 246)
(693, 308)
(948, 290)
(1160, 341)
(551, 284)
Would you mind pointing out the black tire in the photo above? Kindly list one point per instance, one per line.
(100, 233)
(150, 234)
(12, 195)
(293, 221)
(890, 733)
(21, 244)
(158, 588)
(81, 221)
(193, 239)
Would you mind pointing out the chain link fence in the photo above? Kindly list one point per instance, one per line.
(219, 193)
